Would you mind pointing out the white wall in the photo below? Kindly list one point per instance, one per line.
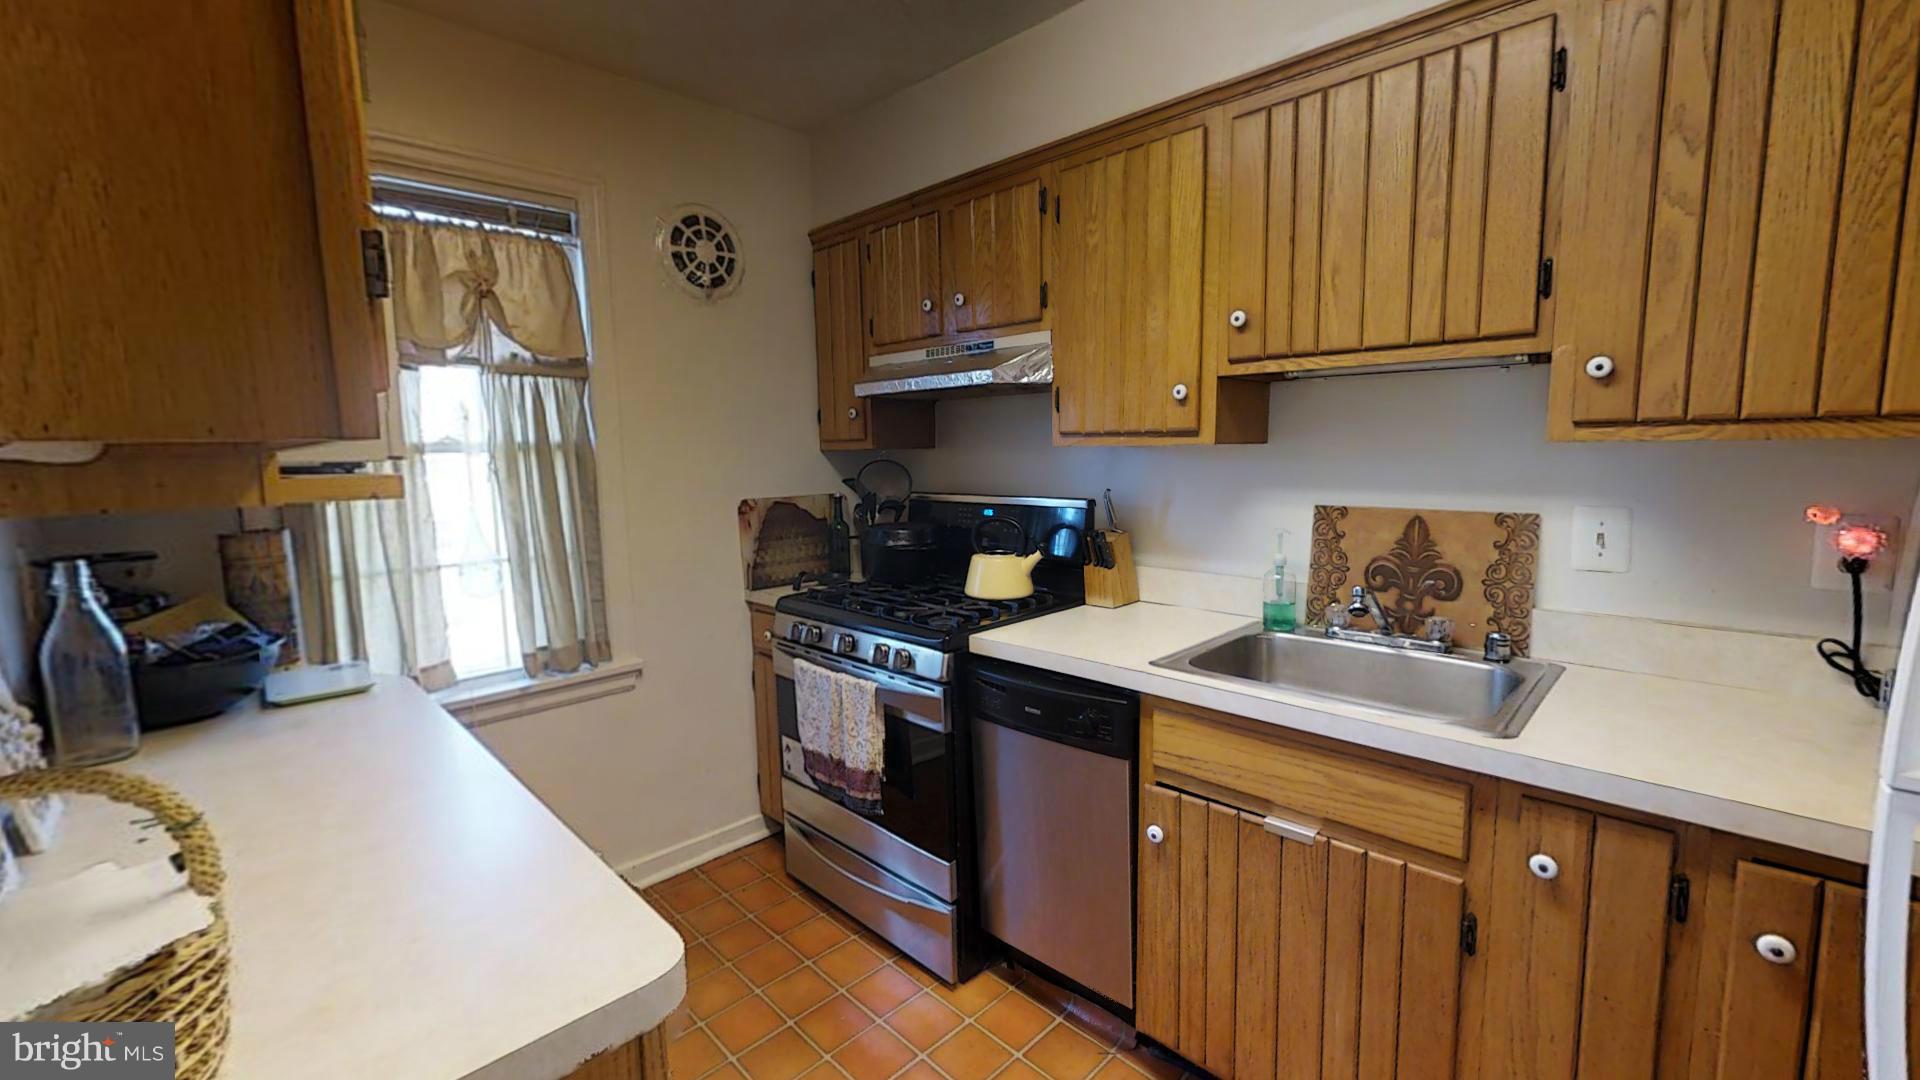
(1717, 538)
(711, 404)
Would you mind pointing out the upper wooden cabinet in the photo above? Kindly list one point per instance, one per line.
(903, 281)
(181, 236)
(1744, 265)
(1392, 208)
(848, 422)
(995, 257)
(1139, 220)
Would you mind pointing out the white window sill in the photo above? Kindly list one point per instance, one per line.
(511, 695)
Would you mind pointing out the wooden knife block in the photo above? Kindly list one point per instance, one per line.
(1119, 586)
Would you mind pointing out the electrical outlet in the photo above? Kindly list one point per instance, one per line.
(1826, 561)
(1603, 539)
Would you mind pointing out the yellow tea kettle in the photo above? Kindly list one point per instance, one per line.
(1000, 575)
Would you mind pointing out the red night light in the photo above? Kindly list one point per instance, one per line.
(1859, 541)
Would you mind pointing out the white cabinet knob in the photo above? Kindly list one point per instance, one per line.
(1180, 391)
(1775, 949)
(959, 299)
(1600, 367)
(1155, 834)
(766, 635)
(926, 305)
(853, 413)
(1238, 319)
(1544, 866)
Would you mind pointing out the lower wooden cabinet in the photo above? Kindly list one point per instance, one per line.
(766, 716)
(1262, 955)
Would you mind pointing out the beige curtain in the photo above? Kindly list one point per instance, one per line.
(458, 290)
(368, 590)
(541, 439)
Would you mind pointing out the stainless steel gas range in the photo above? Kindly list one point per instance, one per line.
(908, 872)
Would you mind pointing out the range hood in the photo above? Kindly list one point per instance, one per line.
(1017, 361)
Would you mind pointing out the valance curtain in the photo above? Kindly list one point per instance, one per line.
(474, 295)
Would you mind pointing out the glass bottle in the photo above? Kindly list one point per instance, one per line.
(86, 676)
(1279, 594)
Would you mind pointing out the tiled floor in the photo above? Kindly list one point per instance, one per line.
(781, 985)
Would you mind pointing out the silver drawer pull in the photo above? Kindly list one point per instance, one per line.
(1290, 830)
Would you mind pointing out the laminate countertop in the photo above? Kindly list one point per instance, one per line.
(1798, 771)
(400, 905)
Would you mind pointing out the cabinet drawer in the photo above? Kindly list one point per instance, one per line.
(762, 630)
(1228, 756)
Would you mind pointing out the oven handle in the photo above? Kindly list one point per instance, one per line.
(810, 839)
(884, 680)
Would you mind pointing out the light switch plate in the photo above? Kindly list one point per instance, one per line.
(1826, 561)
(1603, 539)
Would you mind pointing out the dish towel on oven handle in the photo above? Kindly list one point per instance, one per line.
(843, 734)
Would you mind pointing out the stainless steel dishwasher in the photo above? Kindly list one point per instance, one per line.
(1054, 782)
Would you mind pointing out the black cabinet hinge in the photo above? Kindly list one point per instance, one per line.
(1560, 68)
(373, 264)
(1043, 295)
(1679, 898)
(1043, 200)
(1056, 398)
(1469, 935)
(1546, 278)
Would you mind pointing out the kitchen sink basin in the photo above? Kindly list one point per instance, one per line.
(1450, 688)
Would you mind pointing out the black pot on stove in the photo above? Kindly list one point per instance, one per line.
(898, 553)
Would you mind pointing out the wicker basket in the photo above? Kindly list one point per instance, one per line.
(185, 982)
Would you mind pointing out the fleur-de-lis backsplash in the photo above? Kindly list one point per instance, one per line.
(1411, 576)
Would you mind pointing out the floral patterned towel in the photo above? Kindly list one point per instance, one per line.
(842, 735)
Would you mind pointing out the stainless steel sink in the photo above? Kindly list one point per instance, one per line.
(1452, 688)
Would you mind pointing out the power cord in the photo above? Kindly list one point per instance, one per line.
(1845, 657)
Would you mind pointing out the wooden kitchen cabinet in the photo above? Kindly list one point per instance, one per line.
(1263, 956)
(904, 299)
(766, 716)
(181, 245)
(1745, 266)
(848, 422)
(1139, 223)
(995, 254)
(1393, 208)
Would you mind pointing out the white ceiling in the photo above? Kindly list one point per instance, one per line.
(797, 63)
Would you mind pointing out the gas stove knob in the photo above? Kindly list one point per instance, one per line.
(796, 631)
(811, 635)
(902, 660)
(845, 643)
(881, 654)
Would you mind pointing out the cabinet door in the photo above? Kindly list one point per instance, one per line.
(1262, 956)
(837, 341)
(1397, 202)
(1739, 251)
(766, 735)
(1577, 943)
(903, 281)
(994, 262)
(1127, 343)
(180, 237)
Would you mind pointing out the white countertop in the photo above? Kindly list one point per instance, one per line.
(400, 905)
(1796, 771)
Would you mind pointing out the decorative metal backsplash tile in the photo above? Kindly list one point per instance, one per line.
(1473, 567)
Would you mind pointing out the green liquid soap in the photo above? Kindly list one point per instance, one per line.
(1278, 616)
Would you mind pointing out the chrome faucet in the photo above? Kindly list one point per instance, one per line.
(1436, 635)
(1365, 603)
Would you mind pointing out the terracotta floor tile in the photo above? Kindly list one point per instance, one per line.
(1157, 1067)
(746, 1023)
(826, 1070)
(799, 991)
(739, 939)
(782, 1057)
(769, 855)
(970, 1055)
(688, 894)
(767, 963)
(726, 1072)
(973, 995)
(714, 917)
(760, 894)
(700, 960)
(1102, 1027)
(810, 939)
(732, 875)
(874, 1054)
(1019, 1070)
(1064, 1054)
(714, 992)
(679, 1021)
(884, 990)
(848, 962)
(916, 972)
(924, 1021)
(680, 878)
(1117, 1068)
(1015, 1020)
(693, 1054)
(787, 914)
(836, 1020)
(920, 1070)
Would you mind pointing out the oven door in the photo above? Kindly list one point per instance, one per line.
(919, 768)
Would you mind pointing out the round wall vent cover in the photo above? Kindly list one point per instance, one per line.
(700, 250)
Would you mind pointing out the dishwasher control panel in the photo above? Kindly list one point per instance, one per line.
(1085, 714)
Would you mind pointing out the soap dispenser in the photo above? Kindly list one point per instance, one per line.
(1279, 594)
